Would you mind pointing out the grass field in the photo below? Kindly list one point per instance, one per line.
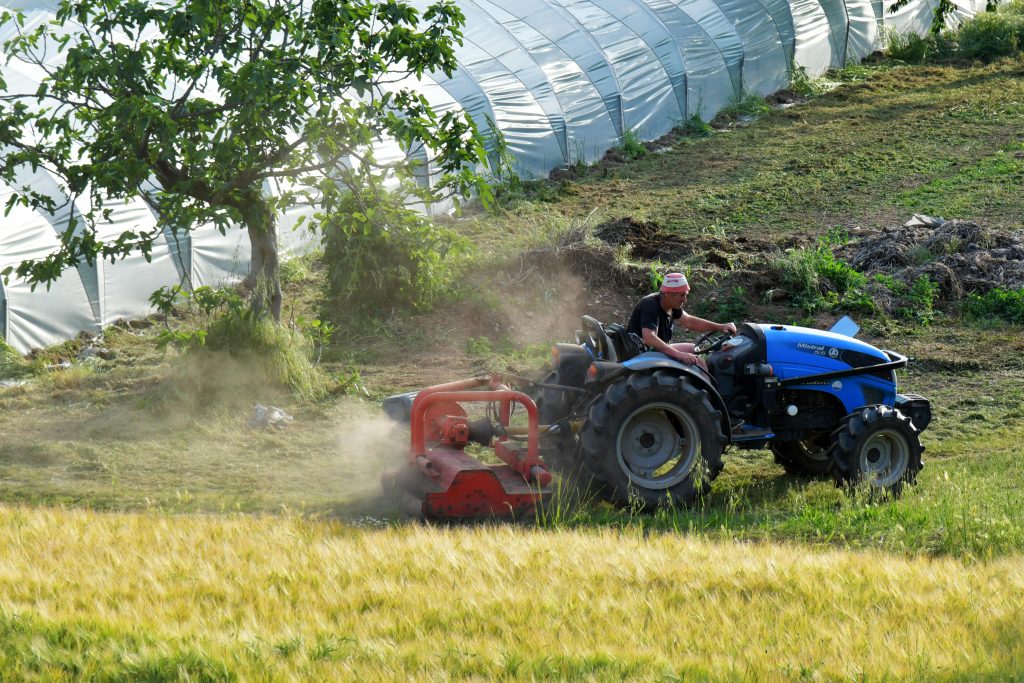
(286, 597)
(150, 534)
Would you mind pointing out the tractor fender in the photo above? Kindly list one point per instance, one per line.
(651, 361)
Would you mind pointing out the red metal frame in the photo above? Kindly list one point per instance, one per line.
(450, 483)
(531, 467)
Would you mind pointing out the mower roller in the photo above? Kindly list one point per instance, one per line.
(642, 428)
(441, 480)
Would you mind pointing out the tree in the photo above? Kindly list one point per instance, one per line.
(943, 10)
(194, 104)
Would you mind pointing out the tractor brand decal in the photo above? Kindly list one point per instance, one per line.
(837, 386)
(819, 350)
(813, 348)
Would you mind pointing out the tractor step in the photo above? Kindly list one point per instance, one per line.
(748, 432)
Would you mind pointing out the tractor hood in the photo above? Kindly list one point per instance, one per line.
(795, 351)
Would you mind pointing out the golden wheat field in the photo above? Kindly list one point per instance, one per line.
(145, 596)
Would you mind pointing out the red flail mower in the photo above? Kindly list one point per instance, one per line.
(441, 480)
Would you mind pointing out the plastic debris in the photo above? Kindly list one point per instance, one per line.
(920, 220)
(269, 416)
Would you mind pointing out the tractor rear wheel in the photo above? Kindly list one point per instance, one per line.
(879, 445)
(656, 438)
(810, 456)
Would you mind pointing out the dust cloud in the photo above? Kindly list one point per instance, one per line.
(366, 445)
(546, 309)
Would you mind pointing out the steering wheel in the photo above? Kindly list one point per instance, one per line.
(711, 341)
(598, 338)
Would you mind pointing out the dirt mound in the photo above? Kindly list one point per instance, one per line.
(648, 240)
(960, 256)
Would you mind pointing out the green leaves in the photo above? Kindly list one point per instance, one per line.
(212, 98)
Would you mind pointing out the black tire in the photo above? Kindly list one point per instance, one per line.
(561, 451)
(665, 422)
(811, 456)
(879, 445)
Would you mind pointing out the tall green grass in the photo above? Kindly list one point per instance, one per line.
(991, 35)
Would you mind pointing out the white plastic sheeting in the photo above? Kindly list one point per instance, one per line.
(562, 80)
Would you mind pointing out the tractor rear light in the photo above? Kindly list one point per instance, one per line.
(603, 371)
(554, 355)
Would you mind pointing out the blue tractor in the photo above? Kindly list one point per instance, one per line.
(646, 428)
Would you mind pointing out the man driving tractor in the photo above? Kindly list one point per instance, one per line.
(650, 323)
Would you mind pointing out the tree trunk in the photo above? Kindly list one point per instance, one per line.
(264, 279)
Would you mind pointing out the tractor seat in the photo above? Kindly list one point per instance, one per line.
(623, 345)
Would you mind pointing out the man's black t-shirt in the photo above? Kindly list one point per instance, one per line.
(649, 314)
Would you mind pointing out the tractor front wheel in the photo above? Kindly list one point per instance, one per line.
(656, 438)
(878, 445)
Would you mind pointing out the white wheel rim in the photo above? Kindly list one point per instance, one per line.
(657, 446)
(884, 458)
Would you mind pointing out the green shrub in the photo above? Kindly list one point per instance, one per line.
(996, 305)
(381, 254)
(275, 352)
(908, 47)
(734, 307)
(1013, 8)
(919, 301)
(504, 180)
(991, 35)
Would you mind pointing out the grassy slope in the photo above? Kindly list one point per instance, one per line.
(280, 597)
(869, 153)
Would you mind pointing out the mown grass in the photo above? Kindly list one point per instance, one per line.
(113, 596)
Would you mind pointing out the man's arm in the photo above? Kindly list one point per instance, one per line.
(652, 339)
(695, 324)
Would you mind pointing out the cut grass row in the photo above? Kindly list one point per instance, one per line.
(110, 596)
(118, 454)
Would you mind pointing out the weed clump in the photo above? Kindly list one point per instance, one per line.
(817, 280)
(695, 127)
(745, 105)
(909, 47)
(986, 37)
(630, 146)
(11, 363)
(996, 305)
(259, 348)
